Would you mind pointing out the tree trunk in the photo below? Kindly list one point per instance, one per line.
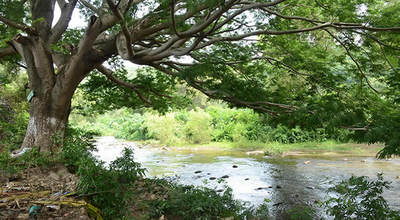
(53, 76)
(47, 123)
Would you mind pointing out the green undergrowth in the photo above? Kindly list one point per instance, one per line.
(120, 188)
(177, 201)
(360, 198)
(121, 191)
(278, 149)
(215, 123)
(13, 113)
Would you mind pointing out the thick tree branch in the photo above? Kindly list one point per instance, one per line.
(90, 6)
(7, 51)
(19, 26)
(173, 18)
(128, 39)
(42, 15)
(213, 17)
(262, 32)
(258, 105)
(66, 12)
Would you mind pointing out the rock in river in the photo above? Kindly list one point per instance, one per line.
(256, 152)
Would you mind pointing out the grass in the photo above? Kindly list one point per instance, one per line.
(323, 147)
(276, 148)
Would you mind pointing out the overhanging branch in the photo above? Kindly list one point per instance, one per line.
(7, 51)
(363, 76)
(90, 6)
(109, 74)
(19, 26)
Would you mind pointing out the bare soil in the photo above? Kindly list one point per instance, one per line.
(44, 191)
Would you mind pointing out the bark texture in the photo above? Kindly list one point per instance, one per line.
(46, 128)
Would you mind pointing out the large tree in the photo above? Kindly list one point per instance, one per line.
(227, 49)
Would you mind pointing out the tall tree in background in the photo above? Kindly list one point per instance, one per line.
(226, 49)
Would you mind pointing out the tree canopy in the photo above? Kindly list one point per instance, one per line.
(310, 63)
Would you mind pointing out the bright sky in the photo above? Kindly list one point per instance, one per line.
(77, 21)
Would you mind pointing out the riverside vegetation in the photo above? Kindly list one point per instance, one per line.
(325, 72)
(218, 126)
(120, 190)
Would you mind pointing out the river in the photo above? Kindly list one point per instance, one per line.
(286, 182)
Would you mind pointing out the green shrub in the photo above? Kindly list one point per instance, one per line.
(106, 187)
(31, 158)
(360, 198)
(222, 122)
(109, 188)
(197, 128)
(190, 202)
(235, 124)
(301, 212)
(13, 113)
(165, 128)
(216, 123)
(78, 146)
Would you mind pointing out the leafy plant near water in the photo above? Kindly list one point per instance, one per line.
(106, 187)
(109, 187)
(191, 202)
(113, 188)
(360, 198)
(215, 123)
(301, 212)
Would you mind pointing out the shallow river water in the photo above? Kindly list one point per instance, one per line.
(287, 182)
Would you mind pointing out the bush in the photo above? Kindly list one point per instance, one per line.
(216, 123)
(109, 187)
(190, 202)
(197, 127)
(165, 128)
(78, 147)
(13, 114)
(360, 198)
(113, 188)
(235, 124)
(31, 158)
(106, 187)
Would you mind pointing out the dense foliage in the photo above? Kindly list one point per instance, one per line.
(313, 64)
(13, 112)
(118, 189)
(216, 123)
(360, 198)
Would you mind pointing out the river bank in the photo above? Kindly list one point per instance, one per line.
(326, 148)
(289, 181)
